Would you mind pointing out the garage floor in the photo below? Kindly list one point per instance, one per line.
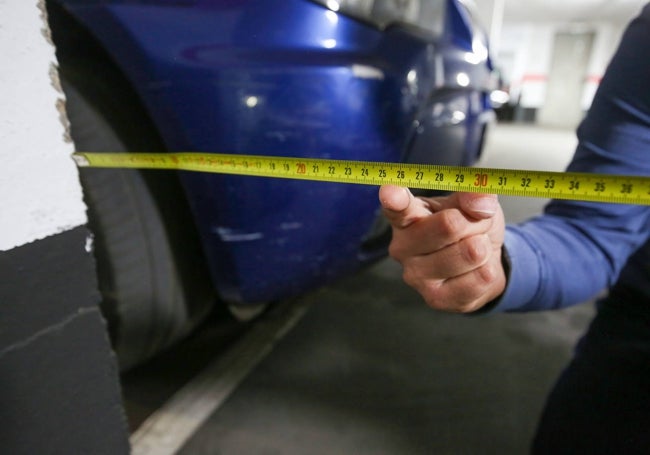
(363, 366)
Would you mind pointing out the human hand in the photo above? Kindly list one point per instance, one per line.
(449, 247)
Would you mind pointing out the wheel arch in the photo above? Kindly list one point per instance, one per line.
(79, 54)
(77, 48)
(84, 61)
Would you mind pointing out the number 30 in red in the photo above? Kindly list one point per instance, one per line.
(481, 180)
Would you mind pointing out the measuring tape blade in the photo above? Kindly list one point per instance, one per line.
(544, 184)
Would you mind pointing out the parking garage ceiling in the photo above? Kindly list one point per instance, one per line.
(570, 10)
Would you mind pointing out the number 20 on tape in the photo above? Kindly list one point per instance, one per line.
(619, 189)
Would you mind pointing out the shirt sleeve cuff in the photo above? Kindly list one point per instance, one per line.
(524, 275)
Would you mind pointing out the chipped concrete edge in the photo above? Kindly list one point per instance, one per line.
(41, 180)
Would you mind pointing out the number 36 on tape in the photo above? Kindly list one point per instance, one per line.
(556, 185)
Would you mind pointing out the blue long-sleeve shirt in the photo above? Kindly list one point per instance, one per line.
(576, 250)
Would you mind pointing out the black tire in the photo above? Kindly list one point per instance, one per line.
(151, 273)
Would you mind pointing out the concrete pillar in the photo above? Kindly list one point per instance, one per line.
(59, 385)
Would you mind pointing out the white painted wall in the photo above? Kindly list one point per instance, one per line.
(525, 55)
(568, 75)
(537, 52)
(606, 41)
(39, 184)
(526, 35)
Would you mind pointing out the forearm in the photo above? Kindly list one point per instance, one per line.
(578, 249)
(556, 261)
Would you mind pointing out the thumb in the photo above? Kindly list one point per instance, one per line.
(476, 205)
(401, 208)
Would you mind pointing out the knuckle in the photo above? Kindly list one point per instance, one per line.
(438, 295)
(457, 300)
(475, 250)
(470, 303)
(392, 250)
(450, 222)
(395, 250)
(468, 307)
(412, 277)
(488, 273)
(431, 296)
(429, 289)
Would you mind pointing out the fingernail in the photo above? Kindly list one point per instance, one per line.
(396, 200)
(485, 205)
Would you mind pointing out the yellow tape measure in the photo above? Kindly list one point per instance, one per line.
(556, 185)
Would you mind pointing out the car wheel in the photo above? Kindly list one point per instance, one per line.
(143, 247)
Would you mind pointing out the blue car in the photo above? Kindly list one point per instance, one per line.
(373, 80)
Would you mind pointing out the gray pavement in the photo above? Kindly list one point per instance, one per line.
(369, 369)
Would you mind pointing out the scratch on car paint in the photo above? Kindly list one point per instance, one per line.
(290, 226)
(232, 235)
(367, 72)
(90, 243)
